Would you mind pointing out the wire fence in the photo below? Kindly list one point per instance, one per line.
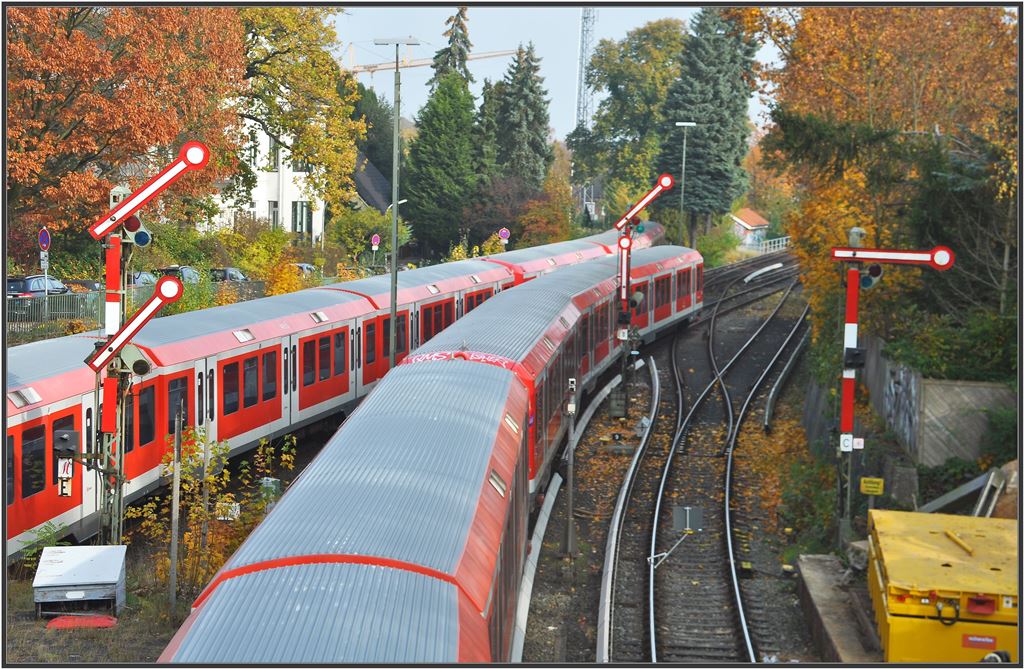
(43, 317)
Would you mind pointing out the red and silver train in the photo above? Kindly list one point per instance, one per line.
(256, 369)
(405, 539)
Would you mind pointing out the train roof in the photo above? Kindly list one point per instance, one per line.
(47, 358)
(362, 614)
(546, 251)
(510, 324)
(388, 472)
(378, 288)
(172, 329)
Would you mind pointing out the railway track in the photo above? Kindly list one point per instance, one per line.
(674, 594)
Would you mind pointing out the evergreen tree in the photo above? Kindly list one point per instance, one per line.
(440, 177)
(452, 58)
(379, 116)
(713, 92)
(485, 132)
(523, 149)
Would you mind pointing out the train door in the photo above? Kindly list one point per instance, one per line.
(640, 313)
(91, 484)
(206, 400)
(290, 371)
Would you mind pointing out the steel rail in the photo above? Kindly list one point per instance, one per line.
(606, 610)
(744, 627)
(668, 466)
(769, 404)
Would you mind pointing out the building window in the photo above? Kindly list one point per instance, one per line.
(251, 151)
(302, 219)
(273, 214)
(275, 154)
(300, 166)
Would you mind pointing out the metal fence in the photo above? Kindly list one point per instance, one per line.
(773, 245)
(33, 318)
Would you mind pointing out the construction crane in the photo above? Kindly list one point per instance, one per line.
(419, 62)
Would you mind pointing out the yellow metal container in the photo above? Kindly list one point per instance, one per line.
(944, 588)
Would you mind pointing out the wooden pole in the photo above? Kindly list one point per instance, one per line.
(175, 500)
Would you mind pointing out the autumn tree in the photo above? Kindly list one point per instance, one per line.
(884, 114)
(440, 175)
(548, 218)
(295, 93)
(452, 58)
(634, 74)
(103, 95)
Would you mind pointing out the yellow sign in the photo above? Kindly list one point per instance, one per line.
(869, 486)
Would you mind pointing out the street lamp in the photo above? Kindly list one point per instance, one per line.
(397, 41)
(685, 125)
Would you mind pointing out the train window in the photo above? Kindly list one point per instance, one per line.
(88, 430)
(339, 353)
(177, 397)
(294, 363)
(308, 362)
(147, 415)
(448, 318)
(33, 461)
(438, 319)
(371, 343)
(401, 335)
(386, 331)
(229, 386)
(10, 470)
(199, 398)
(250, 381)
(642, 307)
(700, 278)
(324, 359)
(427, 315)
(209, 394)
(129, 427)
(65, 423)
(269, 375)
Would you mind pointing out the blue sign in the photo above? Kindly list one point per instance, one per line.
(44, 239)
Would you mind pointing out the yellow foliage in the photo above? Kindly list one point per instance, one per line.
(492, 245)
(226, 292)
(285, 278)
(457, 252)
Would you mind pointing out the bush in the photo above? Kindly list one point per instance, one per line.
(809, 504)
(714, 245)
(1000, 442)
(936, 481)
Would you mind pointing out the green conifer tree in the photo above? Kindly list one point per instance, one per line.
(440, 176)
(712, 91)
(485, 132)
(452, 58)
(523, 148)
(379, 116)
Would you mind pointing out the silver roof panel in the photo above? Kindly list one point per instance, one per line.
(385, 484)
(326, 613)
(44, 359)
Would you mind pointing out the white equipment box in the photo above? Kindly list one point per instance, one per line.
(79, 574)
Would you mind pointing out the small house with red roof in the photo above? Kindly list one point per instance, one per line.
(749, 226)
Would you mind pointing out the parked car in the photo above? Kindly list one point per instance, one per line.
(304, 268)
(20, 306)
(227, 274)
(141, 279)
(84, 285)
(184, 272)
(34, 286)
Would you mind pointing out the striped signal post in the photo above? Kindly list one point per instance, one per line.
(940, 258)
(118, 227)
(619, 396)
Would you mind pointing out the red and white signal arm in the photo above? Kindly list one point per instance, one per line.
(940, 257)
(168, 289)
(193, 156)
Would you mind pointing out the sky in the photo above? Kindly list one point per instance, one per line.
(554, 31)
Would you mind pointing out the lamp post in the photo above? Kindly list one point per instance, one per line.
(386, 210)
(397, 41)
(685, 125)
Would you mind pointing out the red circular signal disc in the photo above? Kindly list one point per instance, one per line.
(132, 223)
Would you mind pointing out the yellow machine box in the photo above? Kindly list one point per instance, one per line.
(944, 588)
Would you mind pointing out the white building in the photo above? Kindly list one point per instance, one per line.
(278, 193)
